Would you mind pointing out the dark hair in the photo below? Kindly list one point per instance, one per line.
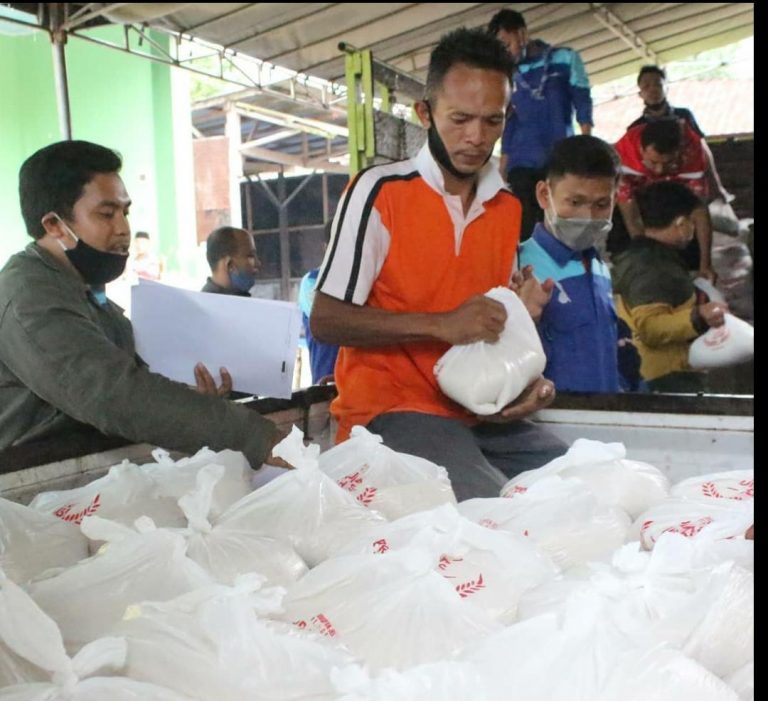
(584, 156)
(651, 69)
(662, 202)
(53, 178)
(221, 242)
(141, 235)
(471, 47)
(508, 20)
(665, 135)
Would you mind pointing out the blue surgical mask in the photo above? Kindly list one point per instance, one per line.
(241, 280)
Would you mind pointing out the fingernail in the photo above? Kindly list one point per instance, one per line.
(546, 390)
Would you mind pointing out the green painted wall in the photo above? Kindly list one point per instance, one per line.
(116, 99)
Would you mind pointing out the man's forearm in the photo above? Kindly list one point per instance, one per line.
(631, 215)
(703, 224)
(346, 324)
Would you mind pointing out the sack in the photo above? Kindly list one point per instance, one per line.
(32, 637)
(124, 494)
(485, 377)
(392, 611)
(562, 517)
(226, 552)
(742, 681)
(394, 484)
(175, 479)
(631, 485)
(31, 542)
(717, 519)
(88, 599)
(304, 506)
(729, 344)
(214, 644)
(723, 487)
(489, 568)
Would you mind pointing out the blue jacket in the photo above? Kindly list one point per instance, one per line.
(578, 327)
(322, 356)
(547, 90)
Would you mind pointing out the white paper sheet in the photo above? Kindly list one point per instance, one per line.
(255, 339)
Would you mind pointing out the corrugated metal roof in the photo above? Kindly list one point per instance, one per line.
(613, 38)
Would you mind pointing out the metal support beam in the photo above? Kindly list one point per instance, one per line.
(622, 30)
(58, 42)
(232, 131)
(285, 240)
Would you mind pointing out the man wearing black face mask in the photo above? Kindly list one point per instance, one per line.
(232, 257)
(67, 354)
(414, 247)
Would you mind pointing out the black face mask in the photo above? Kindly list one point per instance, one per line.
(440, 153)
(96, 267)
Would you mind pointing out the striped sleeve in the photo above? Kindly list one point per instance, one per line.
(359, 240)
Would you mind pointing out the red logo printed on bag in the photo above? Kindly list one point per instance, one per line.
(716, 337)
(318, 624)
(445, 562)
(489, 523)
(367, 495)
(709, 489)
(380, 546)
(689, 528)
(351, 482)
(469, 588)
(64, 512)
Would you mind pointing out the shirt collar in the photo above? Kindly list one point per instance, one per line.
(489, 181)
(557, 250)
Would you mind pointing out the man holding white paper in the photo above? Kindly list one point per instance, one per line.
(67, 354)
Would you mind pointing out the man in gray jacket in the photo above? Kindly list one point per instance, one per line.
(67, 353)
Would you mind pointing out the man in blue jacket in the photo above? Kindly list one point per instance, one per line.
(550, 84)
(578, 328)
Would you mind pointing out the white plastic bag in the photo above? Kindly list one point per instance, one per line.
(304, 506)
(31, 542)
(30, 635)
(87, 599)
(742, 681)
(214, 645)
(392, 611)
(489, 568)
(631, 485)
(561, 516)
(485, 377)
(662, 674)
(175, 479)
(714, 518)
(394, 484)
(734, 485)
(729, 344)
(124, 494)
(226, 552)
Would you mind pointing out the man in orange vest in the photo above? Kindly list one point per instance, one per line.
(415, 245)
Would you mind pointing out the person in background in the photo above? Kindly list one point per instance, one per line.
(655, 293)
(550, 87)
(666, 150)
(231, 255)
(416, 245)
(652, 85)
(144, 262)
(577, 328)
(322, 356)
(67, 354)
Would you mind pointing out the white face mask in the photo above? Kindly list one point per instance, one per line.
(576, 233)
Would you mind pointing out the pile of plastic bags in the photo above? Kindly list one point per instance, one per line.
(357, 577)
